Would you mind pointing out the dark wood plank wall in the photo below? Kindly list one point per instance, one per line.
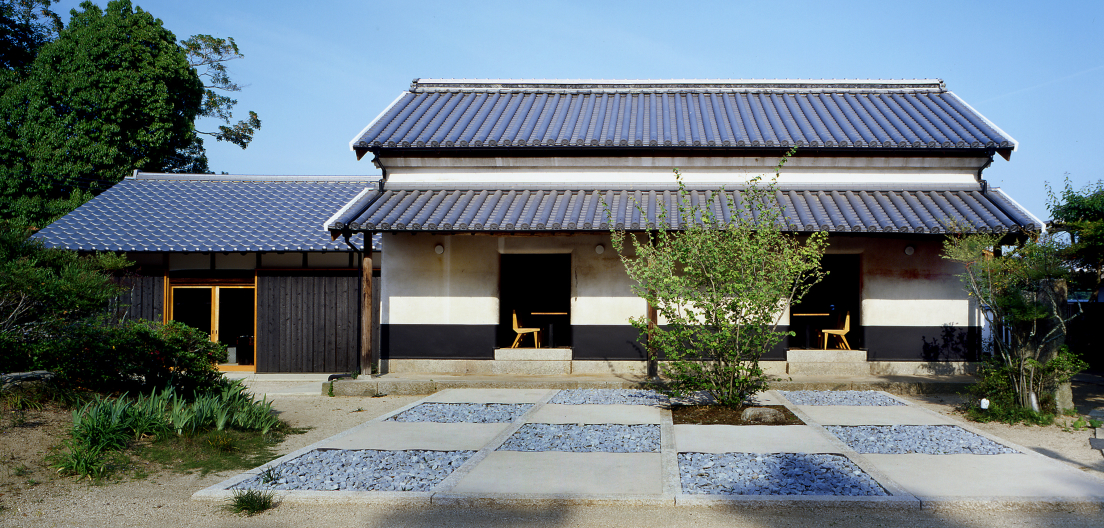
(146, 298)
(307, 321)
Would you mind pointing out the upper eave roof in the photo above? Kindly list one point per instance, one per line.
(207, 212)
(831, 114)
(550, 208)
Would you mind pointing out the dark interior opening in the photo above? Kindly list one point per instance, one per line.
(192, 306)
(828, 303)
(235, 324)
(538, 289)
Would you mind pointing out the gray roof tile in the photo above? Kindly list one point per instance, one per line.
(511, 209)
(735, 114)
(198, 212)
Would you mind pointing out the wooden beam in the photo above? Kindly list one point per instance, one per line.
(367, 355)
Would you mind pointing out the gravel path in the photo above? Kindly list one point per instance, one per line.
(463, 412)
(360, 470)
(928, 439)
(609, 397)
(774, 474)
(861, 398)
(609, 438)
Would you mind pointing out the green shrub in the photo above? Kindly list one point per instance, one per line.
(996, 383)
(132, 356)
(251, 502)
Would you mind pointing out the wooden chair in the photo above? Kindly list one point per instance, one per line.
(522, 331)
(840, 333)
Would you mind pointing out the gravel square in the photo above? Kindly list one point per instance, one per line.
(360, 470)
(851, 398)
(607, 438)
(774, 474)
(925, 439)
(463, 412)
(609, 397)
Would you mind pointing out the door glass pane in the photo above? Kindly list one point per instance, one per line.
(192, 306)
(235, 323)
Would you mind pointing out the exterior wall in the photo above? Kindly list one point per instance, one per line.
(445, 306)
(308, 321)
(913, 306)
(696, 170)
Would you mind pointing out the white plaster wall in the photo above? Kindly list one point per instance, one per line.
(460, 286)
(702, 170)
(921, 289)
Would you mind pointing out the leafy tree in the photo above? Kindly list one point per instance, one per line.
(25, 25)
(1021, 289)
(722, 288)
(1080, 214)
(113, 92)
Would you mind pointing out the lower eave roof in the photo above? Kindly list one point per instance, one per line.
(840, 209)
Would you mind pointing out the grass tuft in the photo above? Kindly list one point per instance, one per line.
(251, 502)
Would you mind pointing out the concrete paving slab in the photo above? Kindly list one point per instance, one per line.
(489, 395)
(691, 438)
(596, 414)
(555, 472)
(420, 435)
(870, 415)
(1014, 475)
(767, 398)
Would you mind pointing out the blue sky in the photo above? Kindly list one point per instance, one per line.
(317, 73)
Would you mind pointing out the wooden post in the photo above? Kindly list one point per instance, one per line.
(367, 355)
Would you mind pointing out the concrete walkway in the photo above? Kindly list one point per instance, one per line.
(431, 383)
(1024, 480)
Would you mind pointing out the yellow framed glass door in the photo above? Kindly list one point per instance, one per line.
(227, 313)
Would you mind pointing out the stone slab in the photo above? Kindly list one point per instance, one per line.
(767, 398)
(596, 414)
(432, 436)
(618, 368)
(1012, 475)
(690, 438)
(825, 356)
(558, 472)
(489, 396)
(532, 354)
(531, 368)
(872, 415)
(828, 368)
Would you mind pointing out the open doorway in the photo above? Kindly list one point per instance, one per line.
(830, 304)
(226, 313)
(537, 288)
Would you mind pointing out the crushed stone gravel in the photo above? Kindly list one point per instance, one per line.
(926, 439)
(609, 438)
(463, 412)
(609, 397)
(360, 470)
(860, 398)
(774, 474)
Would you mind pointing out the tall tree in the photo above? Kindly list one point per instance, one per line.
(113, 92)
(1080, 214)
(25, 25)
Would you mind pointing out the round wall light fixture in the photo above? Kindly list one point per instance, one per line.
(909, 250)
(599, 249)
(438, 249)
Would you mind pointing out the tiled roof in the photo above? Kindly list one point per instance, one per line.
(200, 212)
(436, 114)
(836, 209)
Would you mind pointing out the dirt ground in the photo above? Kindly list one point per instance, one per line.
(33, 495)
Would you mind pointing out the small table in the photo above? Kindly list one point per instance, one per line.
(551, 343)
(807, 326)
